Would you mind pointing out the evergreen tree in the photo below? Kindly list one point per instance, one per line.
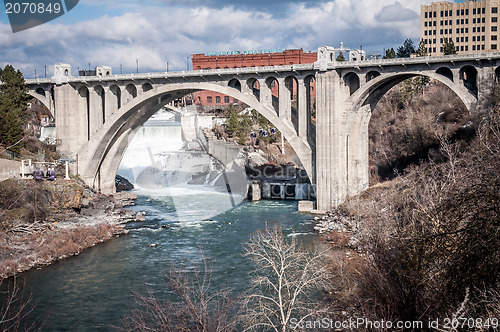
(449, 47)
(14, 99)
(390, 54)
(422, 50)
(406, 49)
(232, 123)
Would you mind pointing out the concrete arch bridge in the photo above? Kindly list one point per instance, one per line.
(96, 116)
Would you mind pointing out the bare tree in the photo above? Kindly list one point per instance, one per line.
(15, 307)
(194, 305)
(285, 283)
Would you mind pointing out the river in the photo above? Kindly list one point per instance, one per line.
(94, 291)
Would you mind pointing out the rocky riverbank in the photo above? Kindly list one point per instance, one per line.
(339, 229)
(74, 218)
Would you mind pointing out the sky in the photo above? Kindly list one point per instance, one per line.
(158, 33)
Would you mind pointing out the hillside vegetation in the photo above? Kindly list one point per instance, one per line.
(425, 244)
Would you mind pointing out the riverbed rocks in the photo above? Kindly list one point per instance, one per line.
(339, 227)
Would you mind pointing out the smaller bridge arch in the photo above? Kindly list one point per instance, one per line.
(446, 72)
(468, 75)
(352, 81)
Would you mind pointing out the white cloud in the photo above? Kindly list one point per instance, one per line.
(156, 33)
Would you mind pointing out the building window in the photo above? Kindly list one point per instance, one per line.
(483, 38)
(461, 48)
(466, 48)
(466, 30)
(434, 23)
(494, 10)
(473, 47)
(458, 40)
(462, 39)
(462, 12)
(434, 32)
(426, 14)
(425, 24)
(462, 30)
(494, 19)
(441, 50)
(473, 38)
(425, 32)
(446, 13)
(474, 29)
(484, 10)
(441, 40)
(458, 22)
(466, 12)
(493, 46)
(462, 21)
(494, 28)
(466, 21)
(441, 31)
(458, 12)
(458, 30)
(482, 47)
(473, 12)
(483, 29)
(442, 13)
(441, 23)
(494, 37)
(209, 100)
(434, 49)
(217, 99)
(450, 22)
(473, 21)
(483, 20)
(226, 99)
(435, 14)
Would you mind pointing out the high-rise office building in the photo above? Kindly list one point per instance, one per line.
(473, 26)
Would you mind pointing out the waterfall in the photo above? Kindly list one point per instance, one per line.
(160, 166)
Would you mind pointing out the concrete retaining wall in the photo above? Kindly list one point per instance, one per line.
(9, 169)
(223, 151)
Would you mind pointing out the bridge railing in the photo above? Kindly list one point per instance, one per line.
(284, 68)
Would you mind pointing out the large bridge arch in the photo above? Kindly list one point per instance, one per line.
(99, 159)
(43, 99)
(361, 105)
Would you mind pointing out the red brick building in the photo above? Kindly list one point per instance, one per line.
(242, 60)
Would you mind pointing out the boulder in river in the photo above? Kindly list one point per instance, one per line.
(123, 184)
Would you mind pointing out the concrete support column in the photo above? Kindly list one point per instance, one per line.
(302, 108)
(96, 118)
(245, 88)
(358, 162)
(456, 76)
(266, 95)
(109, 103)
(485, 76)
(285, 103)
(332, 143)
